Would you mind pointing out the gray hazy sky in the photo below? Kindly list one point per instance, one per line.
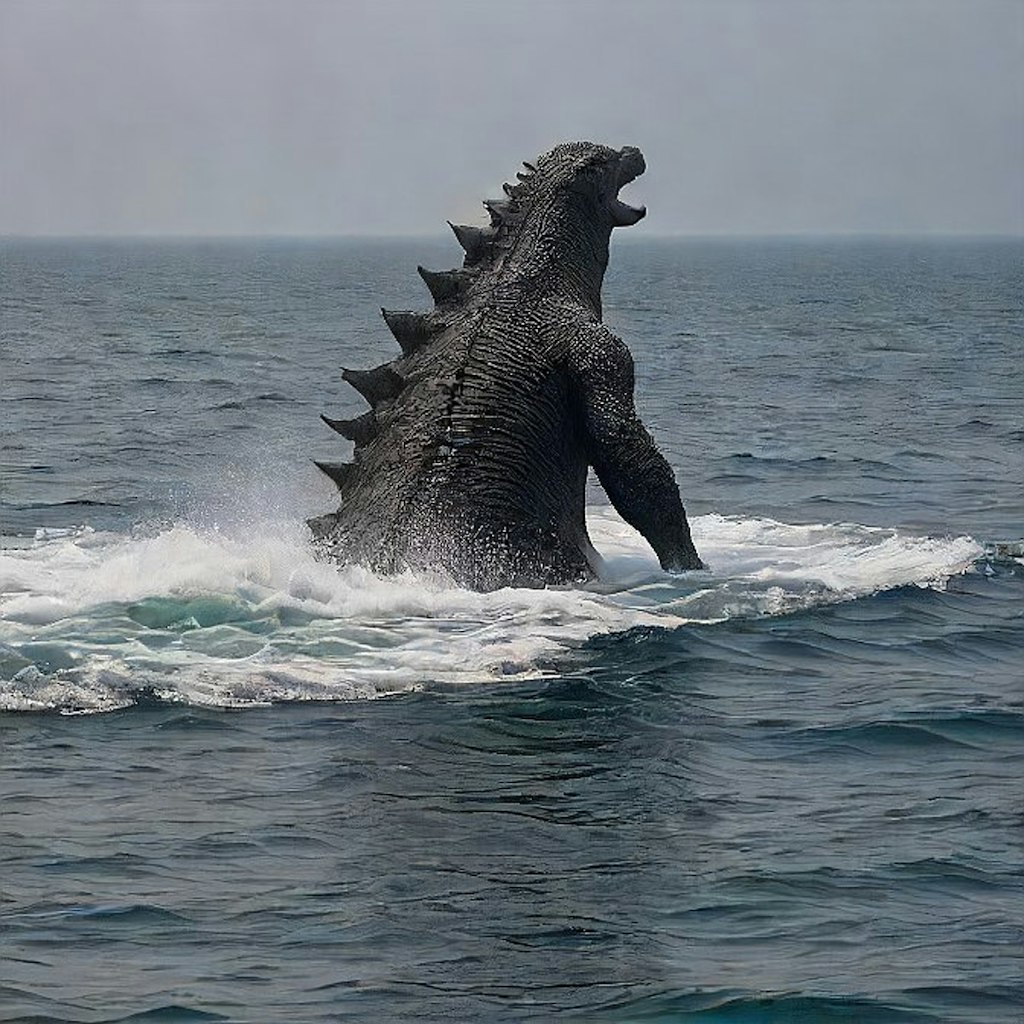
(387, 116)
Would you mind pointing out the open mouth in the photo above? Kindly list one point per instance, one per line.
(631, 166)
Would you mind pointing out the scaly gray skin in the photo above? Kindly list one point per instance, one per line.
(474, 455)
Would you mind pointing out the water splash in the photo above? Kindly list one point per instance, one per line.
(235, 616)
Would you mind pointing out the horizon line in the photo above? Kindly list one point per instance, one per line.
(435, 236)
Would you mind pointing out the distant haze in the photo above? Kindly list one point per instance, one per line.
(382, 117)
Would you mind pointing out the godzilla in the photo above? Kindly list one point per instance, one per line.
(474, 454)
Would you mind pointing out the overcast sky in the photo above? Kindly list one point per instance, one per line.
(388, 116)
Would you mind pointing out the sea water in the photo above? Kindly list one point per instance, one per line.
(241, 784)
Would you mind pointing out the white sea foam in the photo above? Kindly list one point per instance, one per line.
(248, 616)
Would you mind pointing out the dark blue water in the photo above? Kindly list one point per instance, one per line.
(239, 784)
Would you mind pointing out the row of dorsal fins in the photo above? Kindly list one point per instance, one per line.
(482, 246)
(380, 384)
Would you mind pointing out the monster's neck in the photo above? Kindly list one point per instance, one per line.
(561, 252)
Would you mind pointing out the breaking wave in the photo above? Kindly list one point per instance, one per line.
(93, 622)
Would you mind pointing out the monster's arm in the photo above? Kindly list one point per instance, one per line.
(632, 471)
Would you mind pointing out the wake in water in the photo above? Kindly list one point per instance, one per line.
(91, 622)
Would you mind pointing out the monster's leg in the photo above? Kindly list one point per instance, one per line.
(632, 471)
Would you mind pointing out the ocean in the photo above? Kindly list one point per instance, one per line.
(240, 784)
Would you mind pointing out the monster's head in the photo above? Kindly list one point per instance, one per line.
(586, 175)
(551, 231)
(553, 226)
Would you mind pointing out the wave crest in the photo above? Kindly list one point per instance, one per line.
(90, 622)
